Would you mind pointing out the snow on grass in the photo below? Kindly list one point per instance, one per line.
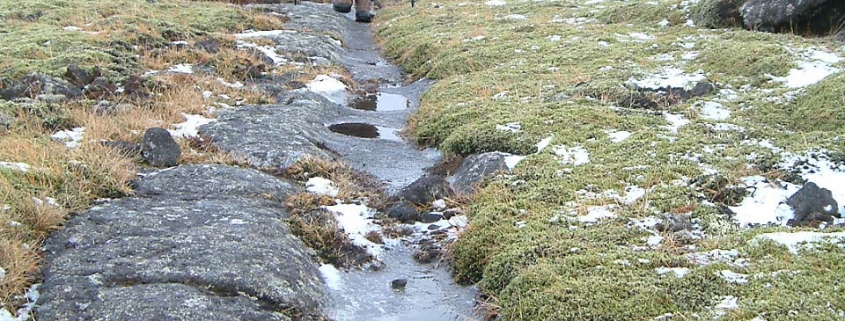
(816, 167)
(356, 221)
(72, 137)
(731, 257)
(510, 127)
(679, 272)
(675, 122)
(668, 77)
(729, 302)
(618, 136)
(544, 143)
(794, 241)
(767, 203)
(321, 186)
(496, 3)
(733, 277)
(330, 88)
(596, 213)
(182, 69)
(331, 276)
(712, 110)
(21, 167)
(813, 66)
(572, 155)
(190, 127)
(24, 312)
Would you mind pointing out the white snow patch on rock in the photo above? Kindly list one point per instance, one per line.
(321, 186)
(70, 137)
(618, 136)
(356, 221)
(190, 128)
(329, 87)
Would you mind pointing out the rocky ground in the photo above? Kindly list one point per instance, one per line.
(602, 160)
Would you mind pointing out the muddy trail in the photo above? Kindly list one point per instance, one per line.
(210, 242)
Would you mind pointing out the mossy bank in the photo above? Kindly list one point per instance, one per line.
(567, 234)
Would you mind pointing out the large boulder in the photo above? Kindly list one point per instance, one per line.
(205, 242)
(812, 205)
(475, 169)
(820, 17)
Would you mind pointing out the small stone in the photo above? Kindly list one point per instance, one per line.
(433, 227)
(403, 211)
(425, 190)
(398, 284)
(159, 149)
(812, 205)
(449, 213)
(431, 217)
(80, 77)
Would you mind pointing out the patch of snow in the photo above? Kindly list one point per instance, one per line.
(712, 110)
(356, 221)
(496, 3)
(667, 77)
(679, 272)
(553, 38)
(572, 155)
(725, 127)
(766, 204)
(663, 23)
(21, 167)
(476, 38)
(817, 168)
(814, 66)
(439, 204)
(676, 121)
(268, 51)
(646, 223)
(544, 143)
(618, 136)
(190, 128)
(24, 312)
(728, 303)
(512, 160)
(794, 240)
(731, 257)
(515, 17)
(596, 213)
(500, 95)
(182, 69)
(264, 33)
(632, 194)
(654, 240)
(321, 186)
(332, 277)
(514, 127)
(71, 28)
(329, 87)
(70, 137)
(733, 277)
(236, 84)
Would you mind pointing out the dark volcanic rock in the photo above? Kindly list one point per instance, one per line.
(159, 149)
(475, 169)
(403, 211)
(425, 190)
(812, 205)
(38, 86)
(430, 217)
(398, 284)
(818, 17)
(80, 77)
(201, 242)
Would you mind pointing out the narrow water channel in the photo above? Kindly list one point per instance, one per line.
(430, 294)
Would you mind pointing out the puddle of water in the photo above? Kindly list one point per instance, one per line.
(381, 102)
(365, 130)
(355, 129)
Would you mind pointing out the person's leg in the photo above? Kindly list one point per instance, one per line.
(363, 11)
(342, 6)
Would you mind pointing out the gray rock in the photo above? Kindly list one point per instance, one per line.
(198, 243)
(79, 77)
(431, 217)
(35, 85)
(812, 205)
(819, 17)
(398, 284)
(159, 149)
(475, 169)
(425, 190)
(403, 211)
(674, 223)
(6, 121)
(716, 13)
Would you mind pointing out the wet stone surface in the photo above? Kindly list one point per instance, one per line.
(355, 129)
(381, 102)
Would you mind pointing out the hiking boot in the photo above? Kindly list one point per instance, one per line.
(362, 11)
(342, 6)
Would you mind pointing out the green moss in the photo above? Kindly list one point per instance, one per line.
(820, 107)
(745, 59)
(717, 13)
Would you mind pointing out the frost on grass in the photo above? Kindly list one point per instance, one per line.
(71, 138)
(321, 186)
(795, 241)
(329, 87)
(667, 77)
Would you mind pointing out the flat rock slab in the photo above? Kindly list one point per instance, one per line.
(205, 242)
